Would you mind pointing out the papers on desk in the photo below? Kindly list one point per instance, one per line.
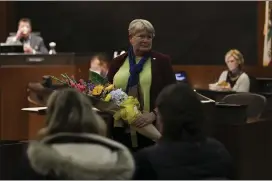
(207, 101)
(38, 109)
(34, 109)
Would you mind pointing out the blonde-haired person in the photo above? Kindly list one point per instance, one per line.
(234, 79)
(72, 145)
(142, 68)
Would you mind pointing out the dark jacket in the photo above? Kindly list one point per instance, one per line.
(36, 42)
(162, 73)
(183, 161)
(68, 156)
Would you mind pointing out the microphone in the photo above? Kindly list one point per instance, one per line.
(52, 46)
(204, 97)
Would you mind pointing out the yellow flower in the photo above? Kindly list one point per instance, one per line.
(107, 98)
(129, 110)
(97, 90)
(109, 88)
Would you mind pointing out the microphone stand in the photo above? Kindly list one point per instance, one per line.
(209, 100)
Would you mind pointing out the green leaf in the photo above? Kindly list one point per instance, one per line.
(57, 79)
(96, 78)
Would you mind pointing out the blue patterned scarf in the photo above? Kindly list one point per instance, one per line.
(135, 69)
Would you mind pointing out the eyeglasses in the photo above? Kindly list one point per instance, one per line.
(148, 37)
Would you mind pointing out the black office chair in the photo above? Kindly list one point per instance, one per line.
(255, 104)
(254, 86)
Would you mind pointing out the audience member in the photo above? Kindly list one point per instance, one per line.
(99, 64)
(183, 152)
(72, 145)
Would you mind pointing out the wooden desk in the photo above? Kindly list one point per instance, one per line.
(249, 144)
(16, 71)
(250, 147)
(222, 114)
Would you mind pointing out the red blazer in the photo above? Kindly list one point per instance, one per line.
(162, 73)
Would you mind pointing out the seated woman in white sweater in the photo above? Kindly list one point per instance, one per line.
(233, 79)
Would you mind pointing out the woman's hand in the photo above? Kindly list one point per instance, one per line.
(144, 119)
(220, 87)
(225, 88)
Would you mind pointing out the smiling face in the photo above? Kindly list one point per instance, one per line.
(141, 41)
(232, 63)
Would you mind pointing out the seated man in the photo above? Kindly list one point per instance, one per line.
(184, 152)
(99, 64)
(32, 43)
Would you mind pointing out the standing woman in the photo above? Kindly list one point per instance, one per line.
(148, 70)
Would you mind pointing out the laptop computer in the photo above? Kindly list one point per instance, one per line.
(11, 48)
(181, 76)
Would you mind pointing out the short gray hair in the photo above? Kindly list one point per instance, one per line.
(140, 25)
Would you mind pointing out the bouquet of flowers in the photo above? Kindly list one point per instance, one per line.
(105, 97)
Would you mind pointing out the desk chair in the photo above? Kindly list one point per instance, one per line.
(254, 85)
(255, 104)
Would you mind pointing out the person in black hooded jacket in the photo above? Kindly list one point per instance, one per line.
(183, 152)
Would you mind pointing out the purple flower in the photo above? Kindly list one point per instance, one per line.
(90, 86)
(118, 96)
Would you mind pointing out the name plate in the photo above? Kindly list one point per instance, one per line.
(37, 59)
(34, 59)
